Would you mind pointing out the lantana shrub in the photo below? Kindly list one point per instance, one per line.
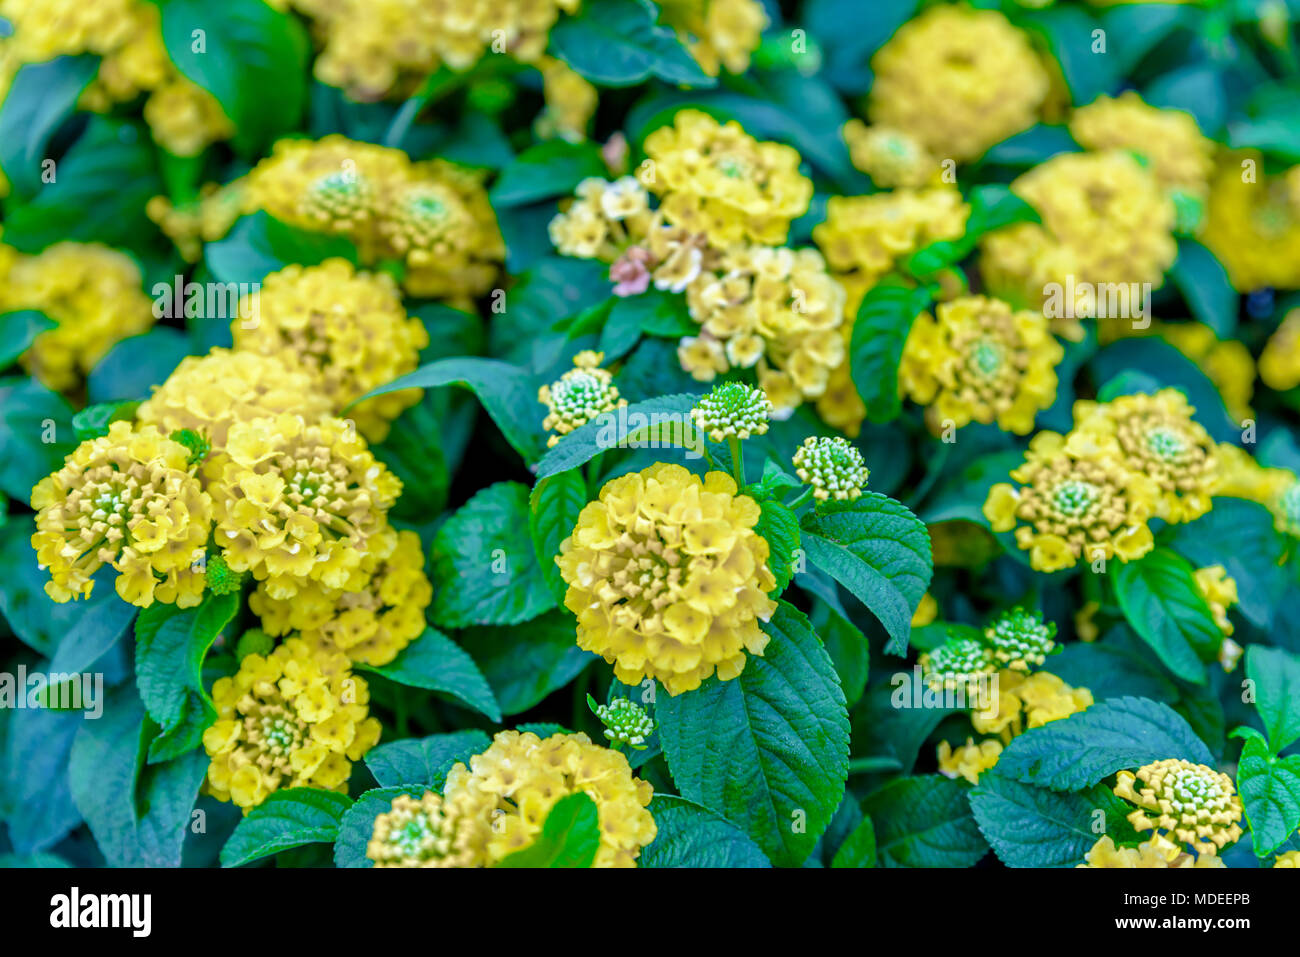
(601, 433)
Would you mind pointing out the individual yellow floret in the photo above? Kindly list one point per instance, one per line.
(1279, 363)
(668, 578)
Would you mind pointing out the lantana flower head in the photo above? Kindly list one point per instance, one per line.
(1147, 854)
(583, 393)
(1105, 220)
(716, 179)
(959, 664)
(128, 499)
(297, 717)
(732, 410)
(1182, 803)
(958, 80)
(1029, 701)
(94, 296)
(891, 157)
(602, 219)
(347, 329)
(433, 831)
(1253, 225)
(833, 466)
(668, 578)
(1020, 639)
(625, 721)
(1069, 507)
(519, 779)
(373, 617)
(970, 760)
(1156, 436)
(208, 394)
(720, 34)
(299, 502)
(976, 360)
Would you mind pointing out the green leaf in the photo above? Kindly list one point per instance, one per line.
(617, 43)
(779, 527)
(552, 168)
(859, 849)
(1276, 674)
(1159, 597)
(1029, 826)
(884, 319)
(358, 824)
(93, 421)
(1255, 561)
(40, 98)
(135, 365)
(690, 835)
(1035, 145)
(924, 821)
(553, 509)
(767, 750)
(662, 422)
(413, 452)
(289, 818)
(525, 663)
(1270, 795)
(993, 206)
(171, 644)
(18, 330)
(879, 551)
(35, 800)
(138, 815)
(1203, 281)
(1077, 752)
(259, 244)
(1169, 367)
(507, 392)
(435, 662)
(424, 761)
(254, 62)
(99, 627)
(1068, 33)
(484, 570)
(847, 646)
(102, 186)
(570, 836)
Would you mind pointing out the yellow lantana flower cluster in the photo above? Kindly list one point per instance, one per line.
(976, 360)
(498, 804)
(716, 179)
(889, 156)
(668, 578)
(581, 394)
(299, 503)
(295, 718)
(720, 34)
(1147, 854)
(1177, 799)
(1105, 219)
(1170, 140)
(958, 80)
(1156, 436)
(1220, 592)
(776, 310)
(130, 500)
(372, 618)
(1252, 223)
(374, 49)
(208, 394)
(432, 215)
(1278, 489)
(1074, 504)
(348, 329)
(93, 294)
(204, 219)
(1279, 363)
(127, 36)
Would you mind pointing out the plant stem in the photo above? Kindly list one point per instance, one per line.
(737, 460)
